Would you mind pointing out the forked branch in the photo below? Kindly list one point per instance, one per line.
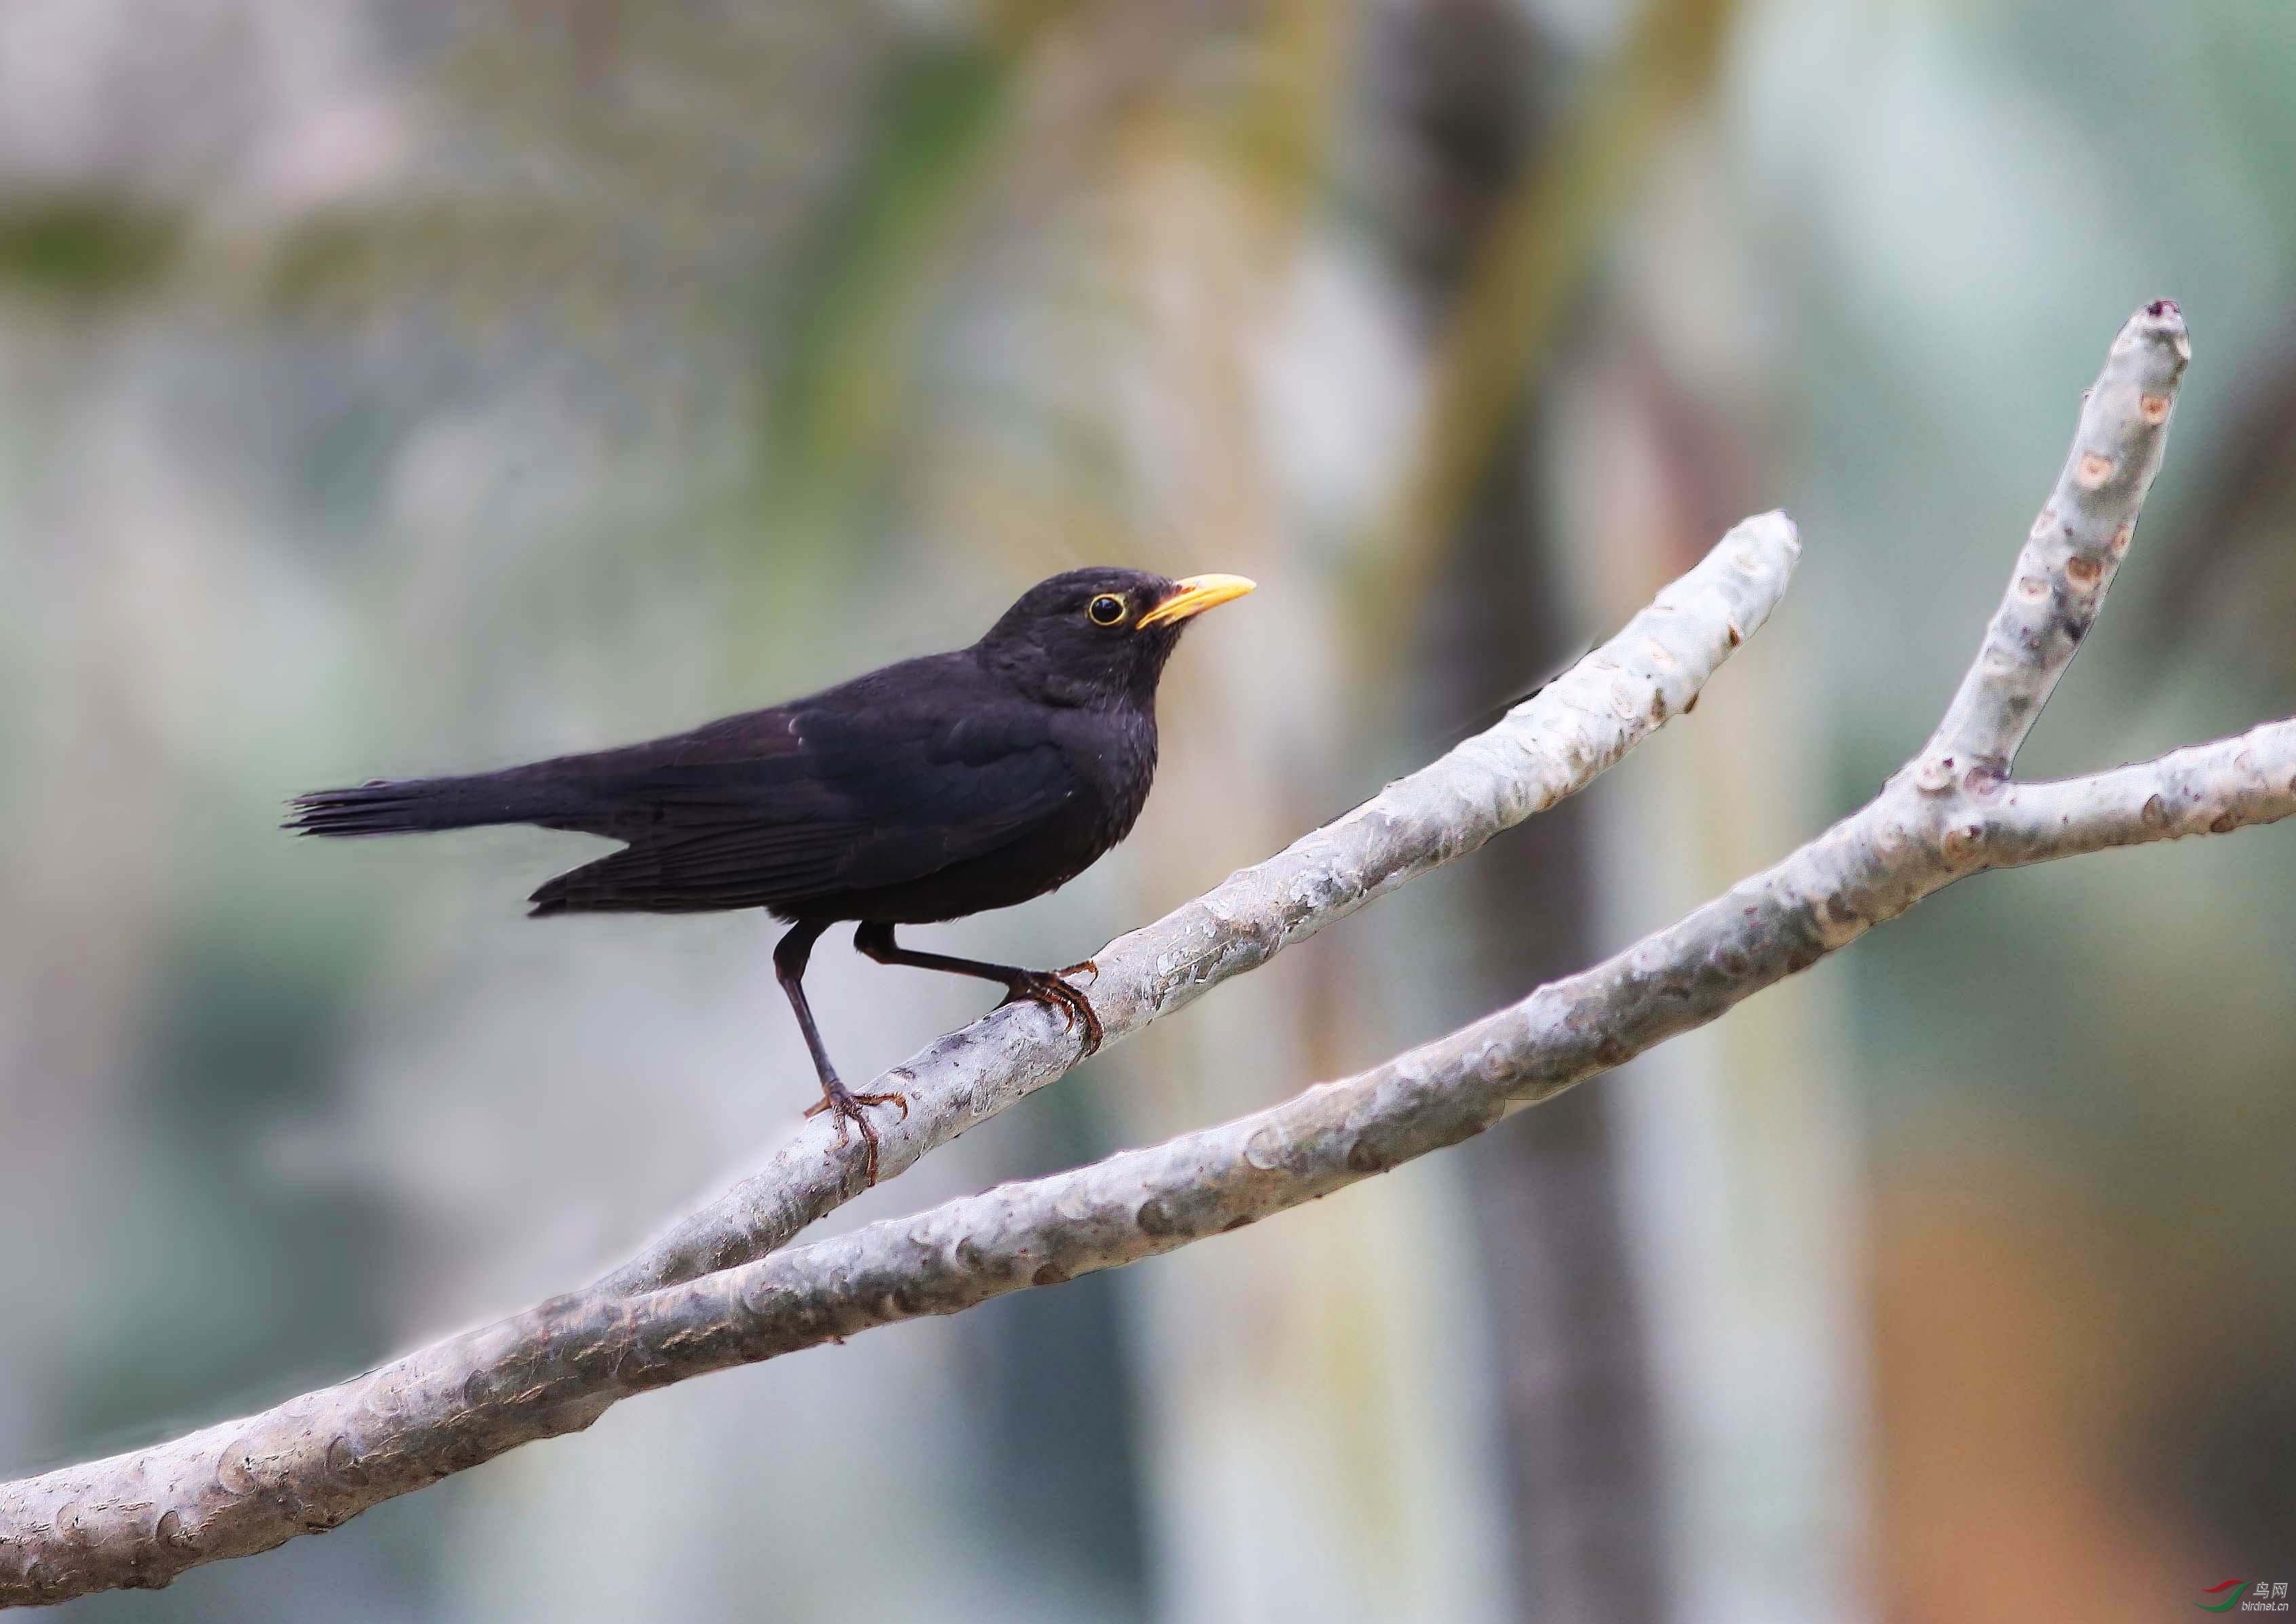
(247, 1485)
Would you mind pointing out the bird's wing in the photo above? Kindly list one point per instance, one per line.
(870, 799)
(725, 867)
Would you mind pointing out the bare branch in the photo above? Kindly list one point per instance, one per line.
(311, 1464)
(2205, 788)
(1551, 746)
(246, 1486)
(2076, 543)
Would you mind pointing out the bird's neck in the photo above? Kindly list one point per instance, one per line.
(1027, 673)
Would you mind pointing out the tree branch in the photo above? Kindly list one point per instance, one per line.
(2075, 546)
(245, 1485)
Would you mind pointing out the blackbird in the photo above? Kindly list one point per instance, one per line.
(922, 792)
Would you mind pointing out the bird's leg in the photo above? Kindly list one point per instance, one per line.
(790, 956)
(1053, 990)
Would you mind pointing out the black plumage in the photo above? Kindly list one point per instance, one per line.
(922, 792)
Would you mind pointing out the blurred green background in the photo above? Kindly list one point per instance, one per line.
(404, 386)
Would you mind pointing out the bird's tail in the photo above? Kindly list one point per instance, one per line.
(412, 805)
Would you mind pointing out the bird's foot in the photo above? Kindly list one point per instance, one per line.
(1056, 992)
(847, 1106)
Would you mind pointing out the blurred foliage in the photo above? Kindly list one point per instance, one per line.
(86, 250)
(1535, 256)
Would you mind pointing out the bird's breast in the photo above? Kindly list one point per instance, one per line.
(1113, 756)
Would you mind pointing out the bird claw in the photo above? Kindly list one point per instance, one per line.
(846, 1106)
(1054, 992)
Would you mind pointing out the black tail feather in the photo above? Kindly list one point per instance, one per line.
(414, 806)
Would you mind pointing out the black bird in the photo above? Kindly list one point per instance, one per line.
(922, 792)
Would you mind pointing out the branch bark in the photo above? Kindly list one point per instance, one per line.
(247, 1485)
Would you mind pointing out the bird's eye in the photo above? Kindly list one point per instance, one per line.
(1106, 610)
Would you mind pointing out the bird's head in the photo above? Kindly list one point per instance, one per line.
(1100, 635)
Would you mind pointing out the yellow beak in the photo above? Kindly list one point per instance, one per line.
(1194, 595)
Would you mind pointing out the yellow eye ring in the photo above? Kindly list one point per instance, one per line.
(1106, 610)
